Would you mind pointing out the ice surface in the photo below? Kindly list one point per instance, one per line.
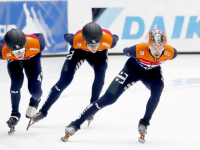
(174, 126)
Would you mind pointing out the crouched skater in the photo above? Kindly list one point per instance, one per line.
(90, 44)
(143, 65)
(23, 52)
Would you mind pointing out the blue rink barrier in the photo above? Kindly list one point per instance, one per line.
(47, 17)
(187, 81)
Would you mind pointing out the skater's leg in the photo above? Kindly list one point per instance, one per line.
(15, 71)
(154, 82)
(34, 74)
(122, 82)
(98, 62)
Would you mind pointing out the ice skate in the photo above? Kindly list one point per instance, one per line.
(29, 124)
(12, 130)
(12, 122)
(90, 119)
(69, 131)
(142, 129)
(141, 138)
(37, 117)
(31, 110)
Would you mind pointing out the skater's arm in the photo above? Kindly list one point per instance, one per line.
(175, 53)
(1, 46)
(41, 40)
(115, 39)
(69, 38)
(130, 51)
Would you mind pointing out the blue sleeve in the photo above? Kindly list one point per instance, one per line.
(69, 38)
(175, 53)
(1, 45)
(115, 39)
(130, 51)
(41, 40)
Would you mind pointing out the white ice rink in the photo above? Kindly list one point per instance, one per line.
(175, 124)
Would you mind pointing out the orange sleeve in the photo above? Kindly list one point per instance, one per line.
(7, 53)
(32, 48)
(78, 42)
(106, 41)
(169, 52)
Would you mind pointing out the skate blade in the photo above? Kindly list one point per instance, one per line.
(65, 138)
(12, 131)
(141, 139)
(88, 123)
(31, 124)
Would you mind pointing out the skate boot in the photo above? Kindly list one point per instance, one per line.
(37, 117)
(69, 131)
(33, 105)
(12, 122)
(31, 110)
(90, 119)
(142, 129)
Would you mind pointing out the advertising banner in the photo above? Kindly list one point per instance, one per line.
(129, 19)
(47, 17)
(132, 19)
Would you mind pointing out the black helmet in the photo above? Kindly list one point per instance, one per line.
(15, 39)
(92, 33)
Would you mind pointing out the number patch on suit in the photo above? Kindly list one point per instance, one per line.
(121, 77)
(69, 56)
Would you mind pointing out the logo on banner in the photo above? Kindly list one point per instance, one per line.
(130, 31)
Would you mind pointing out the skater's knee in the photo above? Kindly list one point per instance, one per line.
(60, 86)
(100, 75)
(106, 99)
(36, 92)
(98, 82)
(16, 85)
(64, 81)
(157, 89)
(37, 95)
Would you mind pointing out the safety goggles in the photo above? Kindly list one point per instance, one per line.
(156, 49)
(19, 50)
(96, 45)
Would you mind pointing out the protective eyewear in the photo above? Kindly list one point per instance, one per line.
(156, 49)
(19, 50)
(93, 45)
